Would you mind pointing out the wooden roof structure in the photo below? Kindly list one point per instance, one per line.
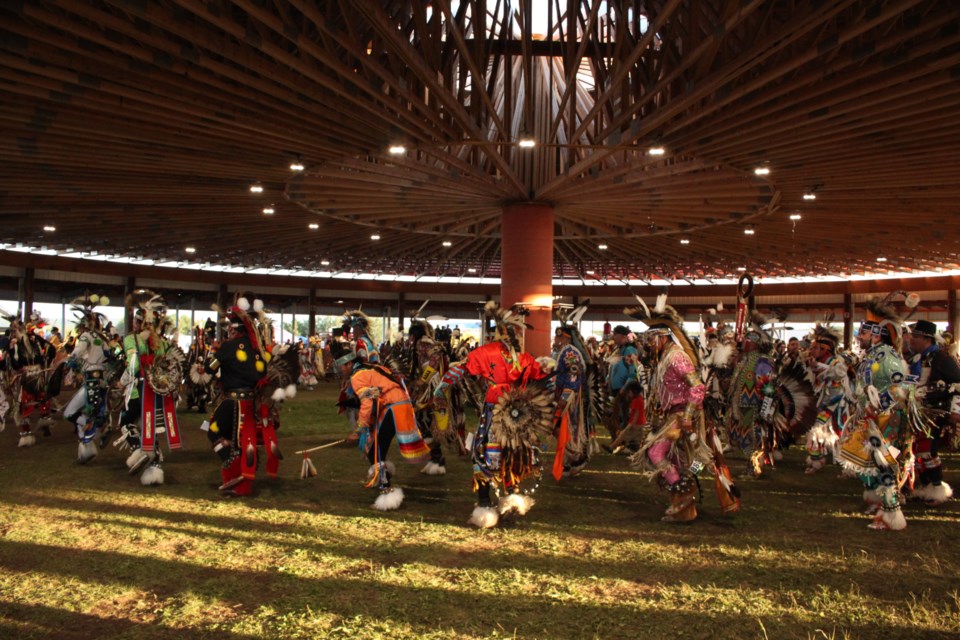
(137, 128)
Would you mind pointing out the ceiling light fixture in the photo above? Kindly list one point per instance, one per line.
(296, 165)
(602, 247)
(657, 151)
(49, 227)
(397, 149)
(589, 272)
(762, 171)
(741, 268)
(268, 210)
(526, 140)
(313, 225)
(375, 236)
(810, 196)
(881, 259)
(684, 240)
(256, 187)
(471, 270)
(795, 216)
(325, 263)
(748, 231)
(447, 243)
(191, 250)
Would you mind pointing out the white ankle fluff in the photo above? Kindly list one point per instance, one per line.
(390, 500)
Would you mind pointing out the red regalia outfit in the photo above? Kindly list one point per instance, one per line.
(255, 377)
(35, 381)
(518, 410)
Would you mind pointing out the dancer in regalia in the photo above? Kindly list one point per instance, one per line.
(151, 383)
(877, 447)
(517, 413)
(97, 363)
(679, 445)
(386, 412)
(939, 386)
(255, 377)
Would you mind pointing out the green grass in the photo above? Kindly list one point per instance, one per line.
(86, 552)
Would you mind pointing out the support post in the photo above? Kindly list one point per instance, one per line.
(953, 317)
(526, 254)
(27, 291)
(848, 320)
(128, 289)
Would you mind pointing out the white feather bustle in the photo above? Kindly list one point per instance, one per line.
(151, 475)
(258, 305)
(484, 517)
(516, 502)
(433, 469)
(27, 440)
(86, 451)
(390, 500)
(243, 304)
(934, 494)
(278, 395)
(290, 390)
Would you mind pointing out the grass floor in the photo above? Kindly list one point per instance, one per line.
(86, 552)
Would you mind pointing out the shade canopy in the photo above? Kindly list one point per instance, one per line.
(138, 128)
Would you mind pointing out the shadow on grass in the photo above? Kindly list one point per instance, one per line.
(714, 563)
(468, 611)
(34, 621)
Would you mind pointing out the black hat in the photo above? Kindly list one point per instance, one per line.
(621, 330)
(924, 328)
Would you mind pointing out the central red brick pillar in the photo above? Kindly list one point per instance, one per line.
(526, 256)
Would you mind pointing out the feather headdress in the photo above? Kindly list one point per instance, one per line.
(84, 308)
(239, 317)
(757, 330)
(357, 319)
(883, 319)
(826, 334)
(569, 319)
(420, 327)
(150, 307)
(666, 319)
(509, 322)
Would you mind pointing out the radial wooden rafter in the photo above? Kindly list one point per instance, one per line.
(136, 128)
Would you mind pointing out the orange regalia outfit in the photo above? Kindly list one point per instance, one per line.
(386, 412)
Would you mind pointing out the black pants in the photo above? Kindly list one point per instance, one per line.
(385, 434)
